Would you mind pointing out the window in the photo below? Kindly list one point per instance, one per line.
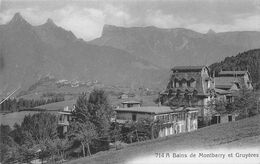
(215, 120)
(193, 84)
(229, 118)
(176, 84)
(188, 83)
(184, 83)
(134, 117)
(166, 117)
(180, 84)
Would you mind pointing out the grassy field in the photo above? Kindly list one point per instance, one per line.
(239, 135)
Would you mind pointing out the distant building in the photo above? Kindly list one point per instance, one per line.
(123, 96)
(175, 121)
(131, 103)
(233, 80)
(227, 84)
(63, 112)
(191, 82)
(223, 118)
(65, 118)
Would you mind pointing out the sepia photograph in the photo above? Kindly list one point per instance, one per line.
(129, 81)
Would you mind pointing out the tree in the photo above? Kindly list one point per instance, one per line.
(5, 141)
(56, 148)
(245, 103)
(39, 127)
(38, 131)
(96, 110)
(218, 105)
(83, 132)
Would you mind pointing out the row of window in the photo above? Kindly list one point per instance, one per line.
(177, 84)
(172, 117)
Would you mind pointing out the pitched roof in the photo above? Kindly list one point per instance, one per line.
(131, 102)
(226, 82)
(232, 73)
(152, 109)
(221, 91)
(183, 68)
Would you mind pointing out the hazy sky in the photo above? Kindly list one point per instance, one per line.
(85, 18)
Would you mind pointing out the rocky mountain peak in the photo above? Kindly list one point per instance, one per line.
(110, 29)
(50, 21)
(18, 20)
(211, 32)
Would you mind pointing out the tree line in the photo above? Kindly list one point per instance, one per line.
(14, 105)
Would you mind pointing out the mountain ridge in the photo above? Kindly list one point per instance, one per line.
(28, 53)
(132, 56)
(169, 47)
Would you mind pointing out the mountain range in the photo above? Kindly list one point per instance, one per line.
(134, 56)
(170, 47)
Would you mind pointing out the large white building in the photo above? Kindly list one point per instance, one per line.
(174, 121)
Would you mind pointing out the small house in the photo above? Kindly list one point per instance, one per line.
(131, 103)
(233, 80)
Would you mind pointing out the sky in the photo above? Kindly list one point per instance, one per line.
(86, 18)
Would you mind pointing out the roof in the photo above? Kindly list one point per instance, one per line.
(221, 91)
(225, 82)
(131, 102)
(152, 109)
(57, 105)
(233, 73)
(188, 76)
(183, 68)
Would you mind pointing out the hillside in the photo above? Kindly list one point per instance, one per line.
(249, 60)
(28, 53)
(178, 46)
(237, 135)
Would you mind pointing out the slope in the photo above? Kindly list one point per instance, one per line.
(239, 135)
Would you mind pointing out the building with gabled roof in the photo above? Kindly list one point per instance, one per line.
(190, 81)
(233, 80)
(174, 120)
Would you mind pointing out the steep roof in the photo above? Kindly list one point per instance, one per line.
(131, 102)
(232, 73)
(226, 82)
(186, 68)
(188, 76)
(221, 91)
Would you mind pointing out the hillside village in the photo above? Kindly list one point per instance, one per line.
(56, 120)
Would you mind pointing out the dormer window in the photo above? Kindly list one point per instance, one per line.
(188, 83)
(184, 83)
(193, 84)
(180, 84)
(176, 84)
